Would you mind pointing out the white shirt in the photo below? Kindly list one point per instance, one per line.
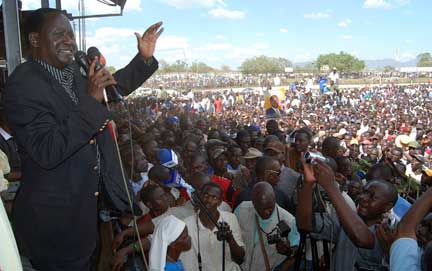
(209, 247)
(5, 134)
(254, 259)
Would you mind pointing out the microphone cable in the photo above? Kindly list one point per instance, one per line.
(135, 225)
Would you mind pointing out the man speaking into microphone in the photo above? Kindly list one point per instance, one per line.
(68, 155)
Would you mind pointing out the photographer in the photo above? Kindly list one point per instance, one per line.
(353, 233)
(266, 243)
(206, 239)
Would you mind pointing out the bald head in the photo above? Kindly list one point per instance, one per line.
(263, 199)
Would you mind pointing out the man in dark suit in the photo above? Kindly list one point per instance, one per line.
(69, 160)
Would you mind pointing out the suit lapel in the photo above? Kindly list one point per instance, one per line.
(57, 88)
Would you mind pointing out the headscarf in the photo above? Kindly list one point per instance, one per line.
(167, 231)
(4, 169)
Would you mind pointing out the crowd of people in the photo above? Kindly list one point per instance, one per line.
(302, 179)
(249, 172)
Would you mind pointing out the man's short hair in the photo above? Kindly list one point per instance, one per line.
(211, 185)
(262, 164)
(36, 20)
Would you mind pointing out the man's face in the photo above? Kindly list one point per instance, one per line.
(354, 189)
(424, 232)
(158, 203)
(395, 155)
(272, 173)
(264, 207)
(301, 142)
(235, 157)
(211, 197)
(245, 143)
(372, 201)
(141, 161)
(56, 42)
(274, 102)
(221, 162)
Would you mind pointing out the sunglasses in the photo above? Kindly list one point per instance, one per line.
(277, 173)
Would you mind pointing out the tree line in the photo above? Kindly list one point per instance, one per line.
(344, 62)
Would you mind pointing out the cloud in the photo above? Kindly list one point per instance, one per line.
(119, 44)
(283, 30)
(378, 4)
(227, 14)
(215, 47)
(31, 4)
(241, 53)
(385, 4)
(346, 37)
(316, 15)
(303, 57)
(172, 43)
(404, 57)
(184, 4)
(220, 37)
(403, 2)
(409, 41)
(344, 23)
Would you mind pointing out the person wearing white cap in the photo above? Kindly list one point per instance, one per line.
(9, 257)
(170, 239)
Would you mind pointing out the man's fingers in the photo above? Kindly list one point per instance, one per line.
(91, 70)
(159, 32)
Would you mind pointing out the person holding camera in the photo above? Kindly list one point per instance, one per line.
(352, 232)
(206, 252)
(269, 231)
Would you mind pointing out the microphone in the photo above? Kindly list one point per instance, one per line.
(81, 59)
(94, 52)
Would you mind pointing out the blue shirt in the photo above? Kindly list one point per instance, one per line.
(405, 255)
(177, 266)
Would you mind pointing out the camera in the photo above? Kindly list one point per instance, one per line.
(310, 157)
(222, 233)
(282, 230)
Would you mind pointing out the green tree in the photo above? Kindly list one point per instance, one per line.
(200, 67)
(344, 62)
(263, 64)
(389, 68)
(225, 68)
(424, 60)
(178, 66)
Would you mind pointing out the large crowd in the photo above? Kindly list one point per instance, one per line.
(321, 180)
(248, 169)
(292, 178)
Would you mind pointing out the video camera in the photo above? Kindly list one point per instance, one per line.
(282, 230)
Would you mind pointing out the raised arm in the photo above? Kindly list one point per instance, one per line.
(352, 224)
(407, 226)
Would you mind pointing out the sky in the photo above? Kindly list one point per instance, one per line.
(221, 32)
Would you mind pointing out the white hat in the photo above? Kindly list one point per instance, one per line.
(4, 169)
(167, 231)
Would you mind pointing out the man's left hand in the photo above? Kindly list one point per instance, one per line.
(283, 247)
(147, 42)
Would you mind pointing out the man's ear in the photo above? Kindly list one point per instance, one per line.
(34, 39)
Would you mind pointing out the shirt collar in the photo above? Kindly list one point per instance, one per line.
(5, 134)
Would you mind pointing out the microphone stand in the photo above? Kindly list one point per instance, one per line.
(221, 233)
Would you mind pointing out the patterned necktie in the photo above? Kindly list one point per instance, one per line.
(67, 82)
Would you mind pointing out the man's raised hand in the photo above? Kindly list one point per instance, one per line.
(147, 42)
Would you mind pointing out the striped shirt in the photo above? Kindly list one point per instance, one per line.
(65, 77)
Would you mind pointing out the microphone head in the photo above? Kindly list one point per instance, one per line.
(93, 52)
(81, 59)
